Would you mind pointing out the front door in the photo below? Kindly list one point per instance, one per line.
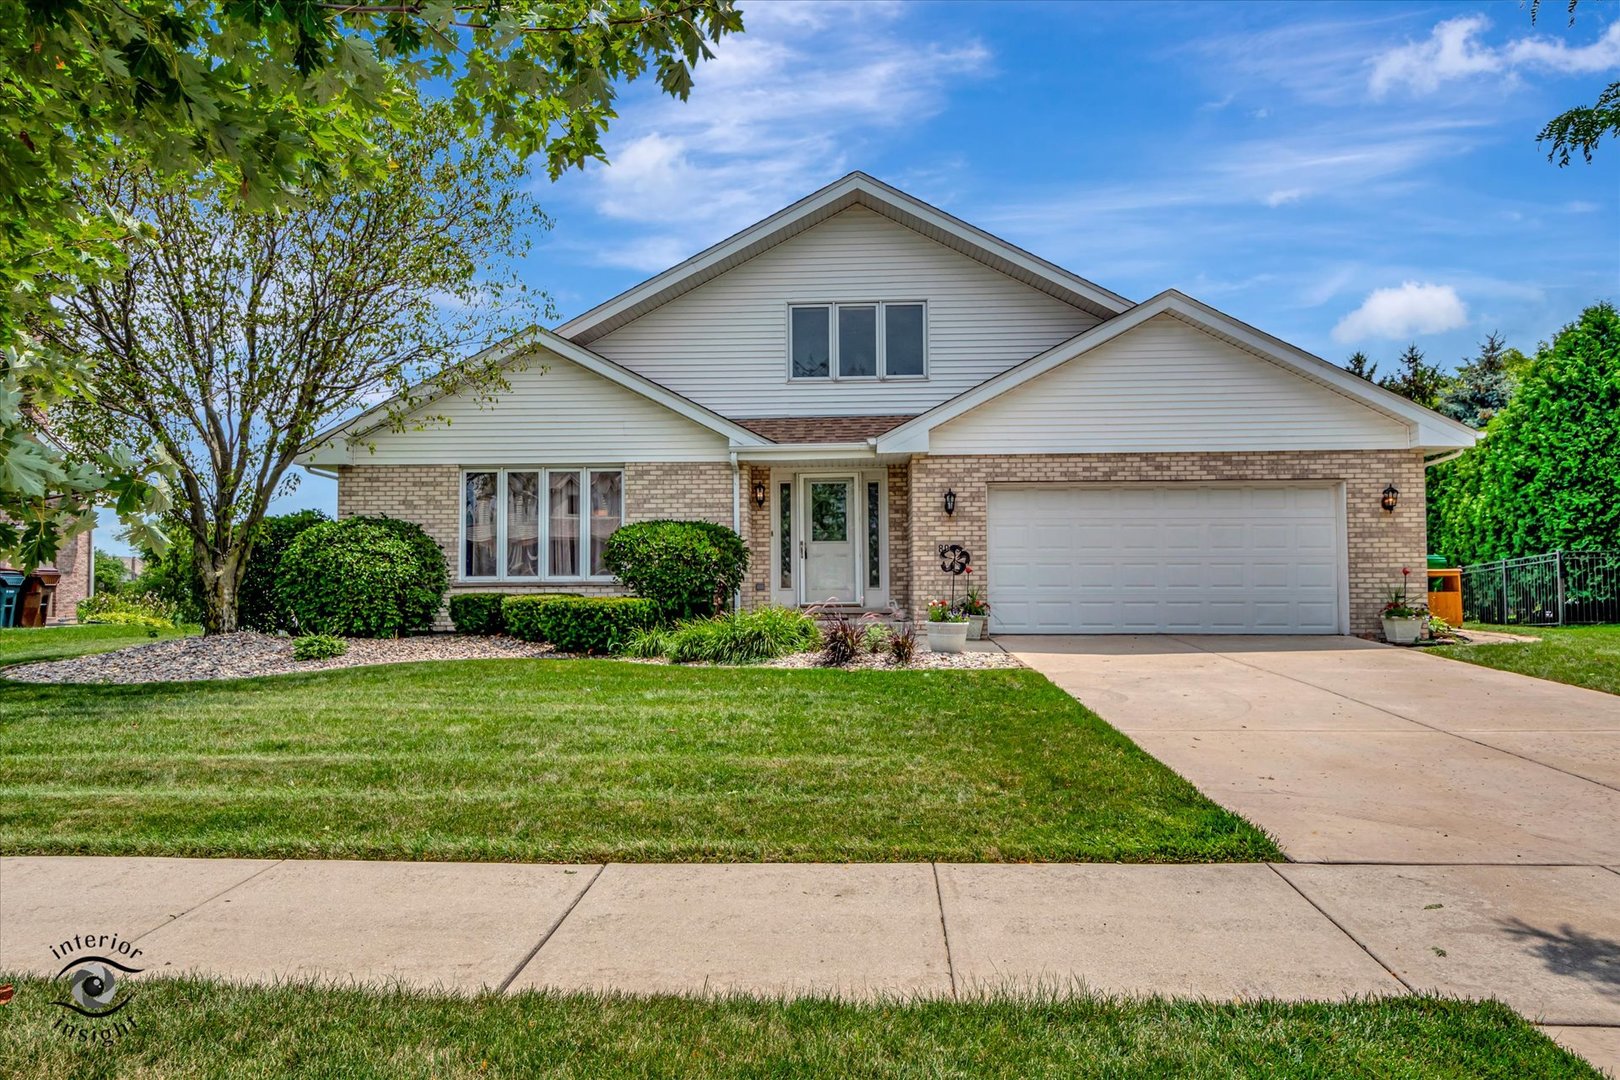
(830, 553)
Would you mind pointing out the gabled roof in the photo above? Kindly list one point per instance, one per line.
(856, 189)
(538, 337)
(1429, 429)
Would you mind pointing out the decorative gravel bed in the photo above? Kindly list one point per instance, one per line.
(237, 656)
(247, 654)
(922, 659)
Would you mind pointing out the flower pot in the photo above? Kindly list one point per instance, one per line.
(1402, 631)
(976, 627)
(947, 636)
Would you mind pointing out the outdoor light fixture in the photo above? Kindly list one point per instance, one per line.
(950, 503)
(1392, 495)
(759, 494)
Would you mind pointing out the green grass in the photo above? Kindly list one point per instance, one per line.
(23, 646)
(541, 760)
(1579, 655)
(193, 1028)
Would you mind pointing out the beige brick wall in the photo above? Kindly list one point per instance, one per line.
(757, 526)
(430, 495)
(1380, 544)
(900, 536)
(76, 560)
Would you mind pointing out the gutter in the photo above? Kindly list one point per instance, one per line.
(736, 518)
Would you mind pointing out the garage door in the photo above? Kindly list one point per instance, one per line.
(1182, 558)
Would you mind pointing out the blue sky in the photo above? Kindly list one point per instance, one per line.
(1341, 175)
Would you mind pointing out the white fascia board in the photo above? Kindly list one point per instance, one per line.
(788, 452)
(870, 192)
(1428, 429)
(334, 445)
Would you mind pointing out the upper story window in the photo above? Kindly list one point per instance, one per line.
(538, 524)
(858, 341)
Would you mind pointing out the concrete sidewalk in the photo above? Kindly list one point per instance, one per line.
(1544, 939)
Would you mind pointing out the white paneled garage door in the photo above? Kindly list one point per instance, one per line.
(1171, 558)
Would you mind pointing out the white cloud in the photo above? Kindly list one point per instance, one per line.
(1283, 196)
(780, 111)
(1454, 50)
(1399, 313)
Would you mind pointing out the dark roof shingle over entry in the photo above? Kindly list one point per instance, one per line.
(815, 429)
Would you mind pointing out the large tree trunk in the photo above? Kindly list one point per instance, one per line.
(221, 574)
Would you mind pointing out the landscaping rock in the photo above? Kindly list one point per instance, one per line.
(243, 655)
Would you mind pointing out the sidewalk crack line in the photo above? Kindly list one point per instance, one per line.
(210, 899)
(950, 961)
(1362, 945)
(550, 930)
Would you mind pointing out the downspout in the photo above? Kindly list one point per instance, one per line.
(736, 519)
(1441, 459)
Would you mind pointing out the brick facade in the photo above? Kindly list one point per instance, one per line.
(430, 495)
(1380, 544)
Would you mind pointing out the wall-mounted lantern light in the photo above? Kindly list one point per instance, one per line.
(1392, 495)
(950, 503)
(759, 494)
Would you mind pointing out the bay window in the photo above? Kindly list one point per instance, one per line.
(529, 524)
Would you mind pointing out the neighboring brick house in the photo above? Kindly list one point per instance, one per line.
(860, 378)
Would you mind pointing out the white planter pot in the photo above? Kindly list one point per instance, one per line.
(1402, 631)
(947, 636)
(976, 627)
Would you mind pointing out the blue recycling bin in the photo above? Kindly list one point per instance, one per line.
(11, 585)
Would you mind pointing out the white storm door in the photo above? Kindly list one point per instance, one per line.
(829, 533)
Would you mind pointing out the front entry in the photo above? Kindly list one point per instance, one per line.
(830, 551)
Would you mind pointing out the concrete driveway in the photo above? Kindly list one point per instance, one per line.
(1461, 825)
(1350, 751)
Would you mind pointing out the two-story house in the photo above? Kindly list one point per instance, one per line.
(861, 378)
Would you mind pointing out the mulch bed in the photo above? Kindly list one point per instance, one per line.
(247, 655)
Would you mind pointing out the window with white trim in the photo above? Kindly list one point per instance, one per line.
(538, 524)
(887, 340)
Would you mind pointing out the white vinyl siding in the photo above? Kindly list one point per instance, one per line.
(563, 413)
(1167, 558)
(723, 343)
(1166, 386)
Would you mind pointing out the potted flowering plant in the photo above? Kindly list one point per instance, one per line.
(977, 609)
(947, 627)
(1403, 619)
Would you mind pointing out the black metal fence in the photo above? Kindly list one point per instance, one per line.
(1560, 589)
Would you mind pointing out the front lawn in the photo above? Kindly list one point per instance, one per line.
(25, 645)
(576, 761)
(1579, 655)
(194, 1028)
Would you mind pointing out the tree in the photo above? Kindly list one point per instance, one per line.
(1584, 126)
(230, 341)
(1359, 365)
(110, 572)
(269, 101)
(1415, 378)
(1483, 385)
(1546, 477)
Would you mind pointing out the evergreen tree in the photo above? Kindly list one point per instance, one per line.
(1415, 378)
(1484, 384)
(1358, 364)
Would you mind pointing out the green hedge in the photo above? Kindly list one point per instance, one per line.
(585, 624)
(687, 568)
(362, 577)
(478, 613)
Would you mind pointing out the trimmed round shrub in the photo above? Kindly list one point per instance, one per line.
(688, 569)
(362, 577)
(478, 613)
(257, 605)
(583, 624)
